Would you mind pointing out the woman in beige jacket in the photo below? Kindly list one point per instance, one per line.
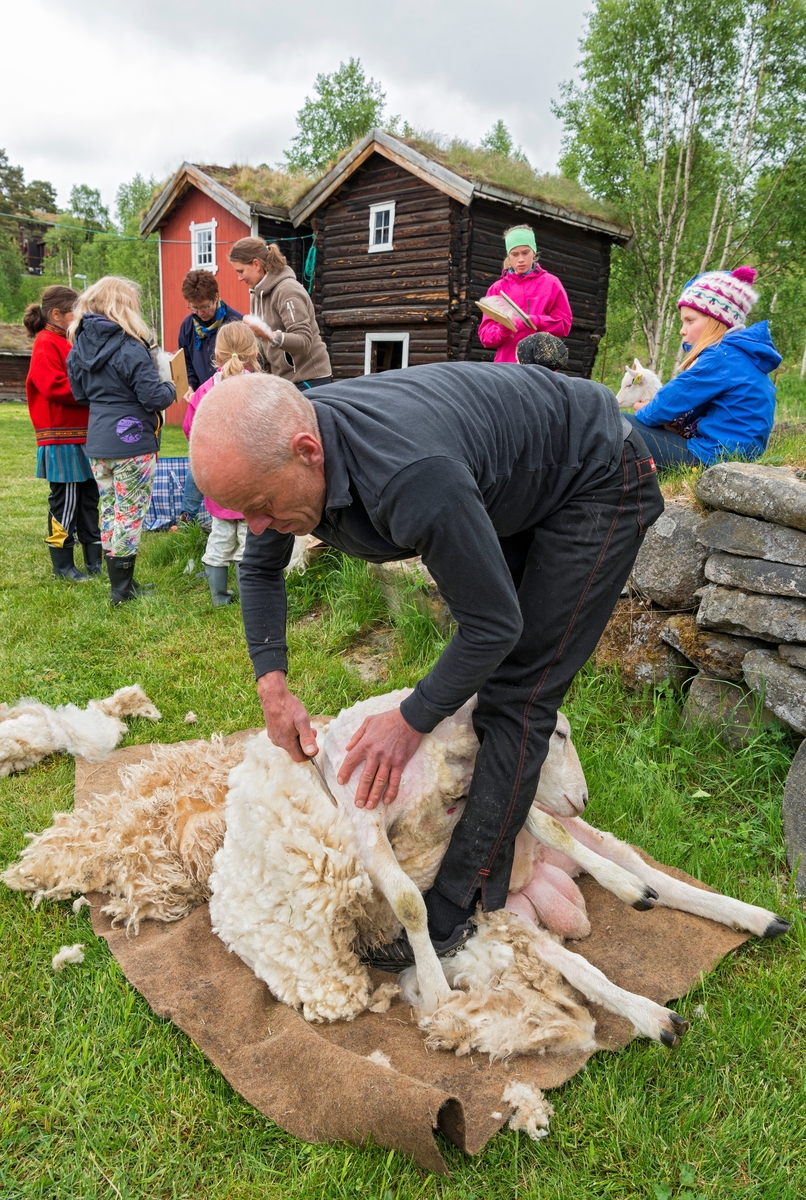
(281, 315)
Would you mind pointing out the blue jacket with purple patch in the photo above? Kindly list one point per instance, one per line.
(728, 393)
(115, 374)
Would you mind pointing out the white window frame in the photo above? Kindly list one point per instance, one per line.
(203, 227)
(387, 206)
(385, 337)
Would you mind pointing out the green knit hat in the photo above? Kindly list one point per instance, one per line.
(520, 237)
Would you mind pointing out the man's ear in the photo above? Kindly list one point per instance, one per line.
(308, 449)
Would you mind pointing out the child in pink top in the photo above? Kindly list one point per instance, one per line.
(235, 352)
(540, 295)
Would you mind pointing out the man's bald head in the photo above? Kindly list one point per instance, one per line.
(253, 434)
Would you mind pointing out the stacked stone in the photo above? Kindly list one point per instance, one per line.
(751, 622)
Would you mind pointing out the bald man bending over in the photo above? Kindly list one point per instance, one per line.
(527, 496)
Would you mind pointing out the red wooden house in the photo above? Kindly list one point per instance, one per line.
(198, 215)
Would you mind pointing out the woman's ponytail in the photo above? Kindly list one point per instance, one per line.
(37, 315)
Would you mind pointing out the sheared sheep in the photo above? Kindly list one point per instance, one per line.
(30, 731)
(299, 888)
(637, 385)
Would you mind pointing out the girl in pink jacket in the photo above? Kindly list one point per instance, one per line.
(541, 296)
(235, 352)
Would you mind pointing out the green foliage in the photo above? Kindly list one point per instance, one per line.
(689, 118)
(346, 106)
(17, 198)
(87, 243)
(498, 140)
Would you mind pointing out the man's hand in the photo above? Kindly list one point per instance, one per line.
(287, 721)
(384, 744)
(641, 404)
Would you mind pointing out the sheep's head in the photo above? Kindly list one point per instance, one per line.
(637, 385)
(561, 789)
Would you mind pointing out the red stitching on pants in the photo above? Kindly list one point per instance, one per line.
(538, 686)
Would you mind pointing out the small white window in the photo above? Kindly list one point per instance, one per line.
(381, 226)
(202, 246)
(385, 352)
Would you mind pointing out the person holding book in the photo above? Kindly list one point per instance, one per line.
(525, 300)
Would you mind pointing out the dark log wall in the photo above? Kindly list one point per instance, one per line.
(580, 259)
(403, 290)
(290, 240)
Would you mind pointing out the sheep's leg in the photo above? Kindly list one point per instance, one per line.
(648, 1018)
(407, 904)
(623, 882)
(674, 893)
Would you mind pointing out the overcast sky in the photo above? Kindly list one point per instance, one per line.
(95, 92)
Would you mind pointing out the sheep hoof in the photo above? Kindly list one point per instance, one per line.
(669, 1039)
(776, 927)
(647, 901)
(679, 1024)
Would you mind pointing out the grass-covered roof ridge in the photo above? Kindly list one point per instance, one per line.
(511, 174)
(262, 184)
(14, 340)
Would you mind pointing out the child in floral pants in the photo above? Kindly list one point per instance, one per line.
(125, 487)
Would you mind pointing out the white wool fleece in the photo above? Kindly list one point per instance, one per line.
(289, 894)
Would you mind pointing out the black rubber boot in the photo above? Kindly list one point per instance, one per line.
(217, 579)
(93, 558)
(121, 576)
(63, 565)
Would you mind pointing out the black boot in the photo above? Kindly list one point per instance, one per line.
(63, 565)
(93, 557)
(217, 579)
(121, 576)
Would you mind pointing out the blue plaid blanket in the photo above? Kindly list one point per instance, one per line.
(166, 496)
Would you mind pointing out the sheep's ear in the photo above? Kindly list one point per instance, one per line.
(636, 365)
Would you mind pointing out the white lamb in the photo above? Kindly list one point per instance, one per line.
(637, 385)
(30, 731)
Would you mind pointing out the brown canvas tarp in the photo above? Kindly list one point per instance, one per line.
(317, 1082)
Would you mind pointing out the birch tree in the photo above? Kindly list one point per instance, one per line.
(689, 116)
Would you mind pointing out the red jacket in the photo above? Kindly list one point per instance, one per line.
(541, 296)
(57, 418)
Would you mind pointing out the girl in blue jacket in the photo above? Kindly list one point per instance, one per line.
(110, 368)
(722, 404)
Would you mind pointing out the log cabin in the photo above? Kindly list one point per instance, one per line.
(409, 235)
(15, 360)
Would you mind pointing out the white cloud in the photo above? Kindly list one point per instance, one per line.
(152, 82)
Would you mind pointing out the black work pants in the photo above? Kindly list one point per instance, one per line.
(73, 510)
(569, 571)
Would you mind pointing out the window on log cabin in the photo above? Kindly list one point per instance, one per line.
(385, 352)
(381, 226)
(202, 246)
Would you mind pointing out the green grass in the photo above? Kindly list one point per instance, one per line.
(99, 1098)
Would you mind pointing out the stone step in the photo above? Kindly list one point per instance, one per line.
(719, 655)
(772, 493)
(781, 687)
(753, 539)
(748, 614)
(755, 575)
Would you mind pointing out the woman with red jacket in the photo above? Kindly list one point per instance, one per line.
(540, 295)
(61, 431)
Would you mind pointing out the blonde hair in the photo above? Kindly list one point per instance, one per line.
(236, 349)
(714, 332)
(511, 229)
(270, 257)
(118, 300)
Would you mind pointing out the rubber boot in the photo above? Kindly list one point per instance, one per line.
(121, 577)
(93, 557)
(63, 565)
(217, 579)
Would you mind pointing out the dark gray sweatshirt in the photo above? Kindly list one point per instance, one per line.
(442, 460)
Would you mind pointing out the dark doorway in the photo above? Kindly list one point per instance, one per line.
(386, 356)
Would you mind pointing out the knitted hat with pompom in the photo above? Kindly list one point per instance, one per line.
(726, 295)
